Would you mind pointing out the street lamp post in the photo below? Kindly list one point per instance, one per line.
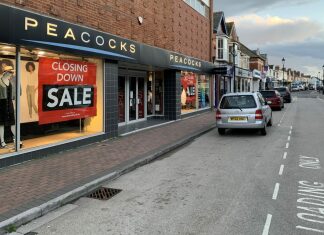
(234, 54)
(319, 81)
(283, 71)
(323, 79)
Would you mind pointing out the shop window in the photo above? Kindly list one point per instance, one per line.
(188, 92)
(7, 98)
(158, 93)
(121, 99)
(195, 92)
(61, 97)
(203, 91)
(150, 94)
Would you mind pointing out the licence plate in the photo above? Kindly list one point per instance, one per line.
(238, 119)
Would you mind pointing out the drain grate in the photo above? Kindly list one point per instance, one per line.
(104, 193)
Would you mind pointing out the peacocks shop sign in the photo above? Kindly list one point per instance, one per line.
(30, 29)
(26, 28)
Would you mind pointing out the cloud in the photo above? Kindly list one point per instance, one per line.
(307, 65)
(305, 56)
(310, 48)
(234, 7)
(300, 40)
(257, 30)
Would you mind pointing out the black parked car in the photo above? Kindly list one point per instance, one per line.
(285, 93)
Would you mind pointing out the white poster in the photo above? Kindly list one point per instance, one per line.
(29, 87)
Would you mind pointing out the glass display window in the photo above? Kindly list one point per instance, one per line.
(150, 109)
(61, 97)
(158, 93)
(189, 93)
(7, 98)
(203, 91)
(195, 92)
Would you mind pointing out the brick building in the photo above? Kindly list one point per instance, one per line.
(89, 70)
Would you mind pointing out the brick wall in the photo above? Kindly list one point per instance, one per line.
(256, 63)
(168, 24)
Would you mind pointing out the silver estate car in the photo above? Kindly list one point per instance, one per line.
(243, 110)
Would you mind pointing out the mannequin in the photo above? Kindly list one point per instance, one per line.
(7, 91)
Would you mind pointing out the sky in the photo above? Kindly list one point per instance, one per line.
(293, 29)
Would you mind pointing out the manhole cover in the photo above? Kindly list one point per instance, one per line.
(104, 193)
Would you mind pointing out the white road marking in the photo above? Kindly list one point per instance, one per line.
(281, 169)
(282, 117)
(278, 124)
(275, 191)
(309, 162)
(289, 132)
(290, 127)
(310, 229)
(287, 145)
(267, 225)
(288, 138)
(285, 155)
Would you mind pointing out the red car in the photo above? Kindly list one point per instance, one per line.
(276, 101)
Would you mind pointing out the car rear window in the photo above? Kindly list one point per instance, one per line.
(281, 89)
(268, 94)
(238, 102)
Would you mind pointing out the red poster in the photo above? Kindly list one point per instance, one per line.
(188, 83)
(66, 90)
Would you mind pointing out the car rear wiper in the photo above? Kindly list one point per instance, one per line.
(236, 107)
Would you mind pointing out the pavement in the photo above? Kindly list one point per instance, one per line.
(32, 189)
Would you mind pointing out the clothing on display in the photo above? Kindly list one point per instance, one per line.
(31, 87)
(7, 113)
(31, 93)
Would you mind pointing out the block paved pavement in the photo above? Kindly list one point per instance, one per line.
(33, 183)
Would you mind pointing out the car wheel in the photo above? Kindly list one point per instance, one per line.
(221, 131)
(263, 130)
(270, 122)
(280, 108)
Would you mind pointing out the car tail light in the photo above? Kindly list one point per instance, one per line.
(258, 114)
(218, 115)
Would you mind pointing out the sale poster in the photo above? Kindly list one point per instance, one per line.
(188, 83)
(66, 90)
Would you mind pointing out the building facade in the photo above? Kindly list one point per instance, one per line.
(79, 71)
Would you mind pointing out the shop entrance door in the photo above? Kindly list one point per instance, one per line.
(136, 88)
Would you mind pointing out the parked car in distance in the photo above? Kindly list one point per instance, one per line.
(294, 87)
(244, 110)
(301, 87)
(311, 86)
(274, 98)
(285, 93)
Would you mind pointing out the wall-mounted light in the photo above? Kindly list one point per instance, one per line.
(140, 19)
